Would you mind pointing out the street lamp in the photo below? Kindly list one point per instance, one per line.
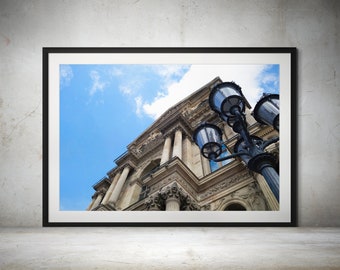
(209, 137)
(267, 110)
(228, 101)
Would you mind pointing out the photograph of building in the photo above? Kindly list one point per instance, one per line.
(163, 168)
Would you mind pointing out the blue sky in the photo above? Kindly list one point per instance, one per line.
(103, 108)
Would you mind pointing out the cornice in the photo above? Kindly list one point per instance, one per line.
(173, 119)
(177, 123)
(224, 172)
(103, 183)
(126, 159)
(173, 170)
(176, 111)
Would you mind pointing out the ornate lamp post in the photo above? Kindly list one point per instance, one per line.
(228, 101)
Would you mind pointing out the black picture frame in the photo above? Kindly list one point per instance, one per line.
(52, 57)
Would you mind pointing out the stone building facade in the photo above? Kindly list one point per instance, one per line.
(163, 169)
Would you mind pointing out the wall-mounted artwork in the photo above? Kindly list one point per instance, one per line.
(169, 136)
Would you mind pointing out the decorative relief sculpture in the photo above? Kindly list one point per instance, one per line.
(148, 144)
(206, 207)
(174, 178)
(164, 182)
(253, 195)
(225, 184)
(159, 200)
(189, 204)
(154, 203)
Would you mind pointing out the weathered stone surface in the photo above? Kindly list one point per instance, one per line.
(170, 248)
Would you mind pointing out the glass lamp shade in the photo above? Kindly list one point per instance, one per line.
(267, 110)
(226, 96)
(208, 137)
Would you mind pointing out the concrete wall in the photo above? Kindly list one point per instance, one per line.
(27, 26)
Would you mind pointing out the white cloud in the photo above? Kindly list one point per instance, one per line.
(116, 72)
(270, 78)
(97, 84)
(139, 104)
(125, 89)
(169, 71)
(66, 75)
(199, 75)
(130, 86)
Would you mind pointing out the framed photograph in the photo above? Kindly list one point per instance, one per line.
(169, 136)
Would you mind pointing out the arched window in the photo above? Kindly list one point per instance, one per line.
(152, 166)
(235, 207)
(144, 192)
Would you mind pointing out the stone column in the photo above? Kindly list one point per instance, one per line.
(99, 198)
(166, 150)
(228, 131)
(172, 204)
(118, 188)
(188, 153)
(205, 165)
(177, 151)
(249, 118)
(172, 196)
(273, 203)
(197, 166)
(91, 204)
(110, 190)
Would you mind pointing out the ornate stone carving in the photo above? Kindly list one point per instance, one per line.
(188, 204)
(154, 203)
(172, 191)
(164, 182)
(169, 112)
(187, 187)
(158, 200)
(176, 178)
(153, 140)
(206, 207)
(225, 184)
(253, 195)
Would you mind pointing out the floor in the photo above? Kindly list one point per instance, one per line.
(170, 248)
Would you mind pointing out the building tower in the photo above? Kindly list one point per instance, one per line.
(163, 169)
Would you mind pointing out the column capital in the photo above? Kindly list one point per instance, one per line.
(178, 127)
(190, 205)
(97, 193)
(174, 195)
(172, 191)
(111, 173)
(154, 203)
(129, 165)
(183, 127)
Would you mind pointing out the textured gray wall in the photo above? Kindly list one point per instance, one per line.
(27, 26)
